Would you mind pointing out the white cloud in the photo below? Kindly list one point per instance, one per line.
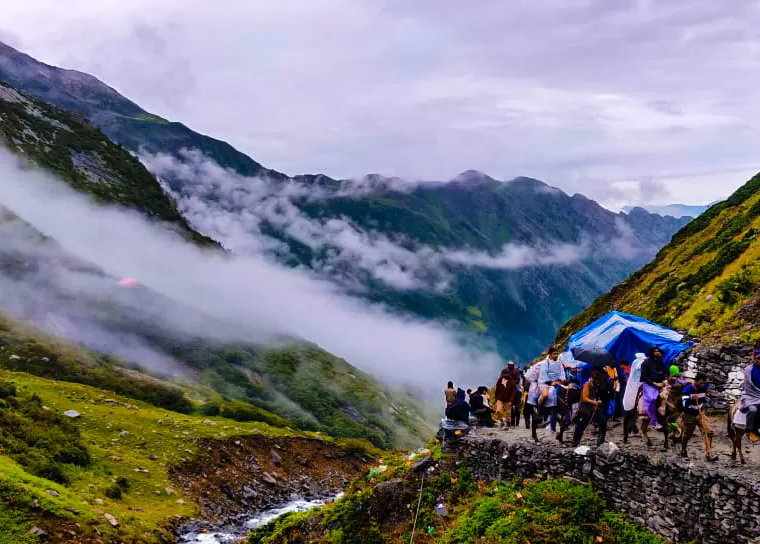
(233, 209)
(514, 257)
(256, 299)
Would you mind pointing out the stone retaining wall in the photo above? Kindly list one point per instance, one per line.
(724, 367)
(679, 503)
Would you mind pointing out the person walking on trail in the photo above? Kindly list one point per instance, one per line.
(613, 391)
(450, 394)
(591, 409)
(531, 392)
(653, 379)
(518, 400)
(750, 399)
(551, 374)
(694, 400)
(505, 394)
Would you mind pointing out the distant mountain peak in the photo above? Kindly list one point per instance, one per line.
(473, 177)
(673, 210)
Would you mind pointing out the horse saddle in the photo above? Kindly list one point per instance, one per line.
(740, 419)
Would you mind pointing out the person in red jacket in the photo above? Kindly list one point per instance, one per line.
(506, 387)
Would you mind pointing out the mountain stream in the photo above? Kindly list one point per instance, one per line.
(208, 533)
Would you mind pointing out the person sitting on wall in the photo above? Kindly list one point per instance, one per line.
(750, 399)
(450, 395)
(460, 410)
(480, 407)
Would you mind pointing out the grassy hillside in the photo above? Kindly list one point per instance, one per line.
(56, 472)
(705, 281)
(300, 386)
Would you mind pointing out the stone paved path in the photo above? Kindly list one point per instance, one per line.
(637, 444)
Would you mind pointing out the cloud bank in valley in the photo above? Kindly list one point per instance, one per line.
(258, 299)
(235, 209)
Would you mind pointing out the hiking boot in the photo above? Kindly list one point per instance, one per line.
(710, 458)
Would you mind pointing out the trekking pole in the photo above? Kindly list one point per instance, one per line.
(419, 502)
(591, 419)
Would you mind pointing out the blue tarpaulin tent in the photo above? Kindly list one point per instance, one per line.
(625, 335)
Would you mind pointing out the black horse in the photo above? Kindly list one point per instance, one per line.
(567, 396)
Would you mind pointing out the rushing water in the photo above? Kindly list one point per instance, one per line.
(227, 534)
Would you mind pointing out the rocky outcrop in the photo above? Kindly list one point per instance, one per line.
(251, 473)
(724, 366)
(677, 501)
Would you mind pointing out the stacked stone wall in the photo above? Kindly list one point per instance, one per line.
(724, 367)
(678, 502)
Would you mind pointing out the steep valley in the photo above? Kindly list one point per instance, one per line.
(505, 262)
(126, 413)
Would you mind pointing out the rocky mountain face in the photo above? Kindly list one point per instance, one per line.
(503, 261)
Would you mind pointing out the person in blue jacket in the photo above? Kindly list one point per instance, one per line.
(694, 401)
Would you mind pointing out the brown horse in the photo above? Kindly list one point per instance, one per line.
(669, 410)
(735, 433)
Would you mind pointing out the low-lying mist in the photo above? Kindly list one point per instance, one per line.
(197, 292)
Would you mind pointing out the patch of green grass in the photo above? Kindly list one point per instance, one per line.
(479, 326)
(548, 512)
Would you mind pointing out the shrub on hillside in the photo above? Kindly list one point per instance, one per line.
(41, 440)
(240, 411)
(740, 284)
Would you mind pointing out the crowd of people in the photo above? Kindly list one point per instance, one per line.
(607, 392)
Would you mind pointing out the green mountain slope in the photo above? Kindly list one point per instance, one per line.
(298, 385)
(705, 281)
(389, 227)
(80, 154)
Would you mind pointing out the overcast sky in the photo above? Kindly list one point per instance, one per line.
(627, 101)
